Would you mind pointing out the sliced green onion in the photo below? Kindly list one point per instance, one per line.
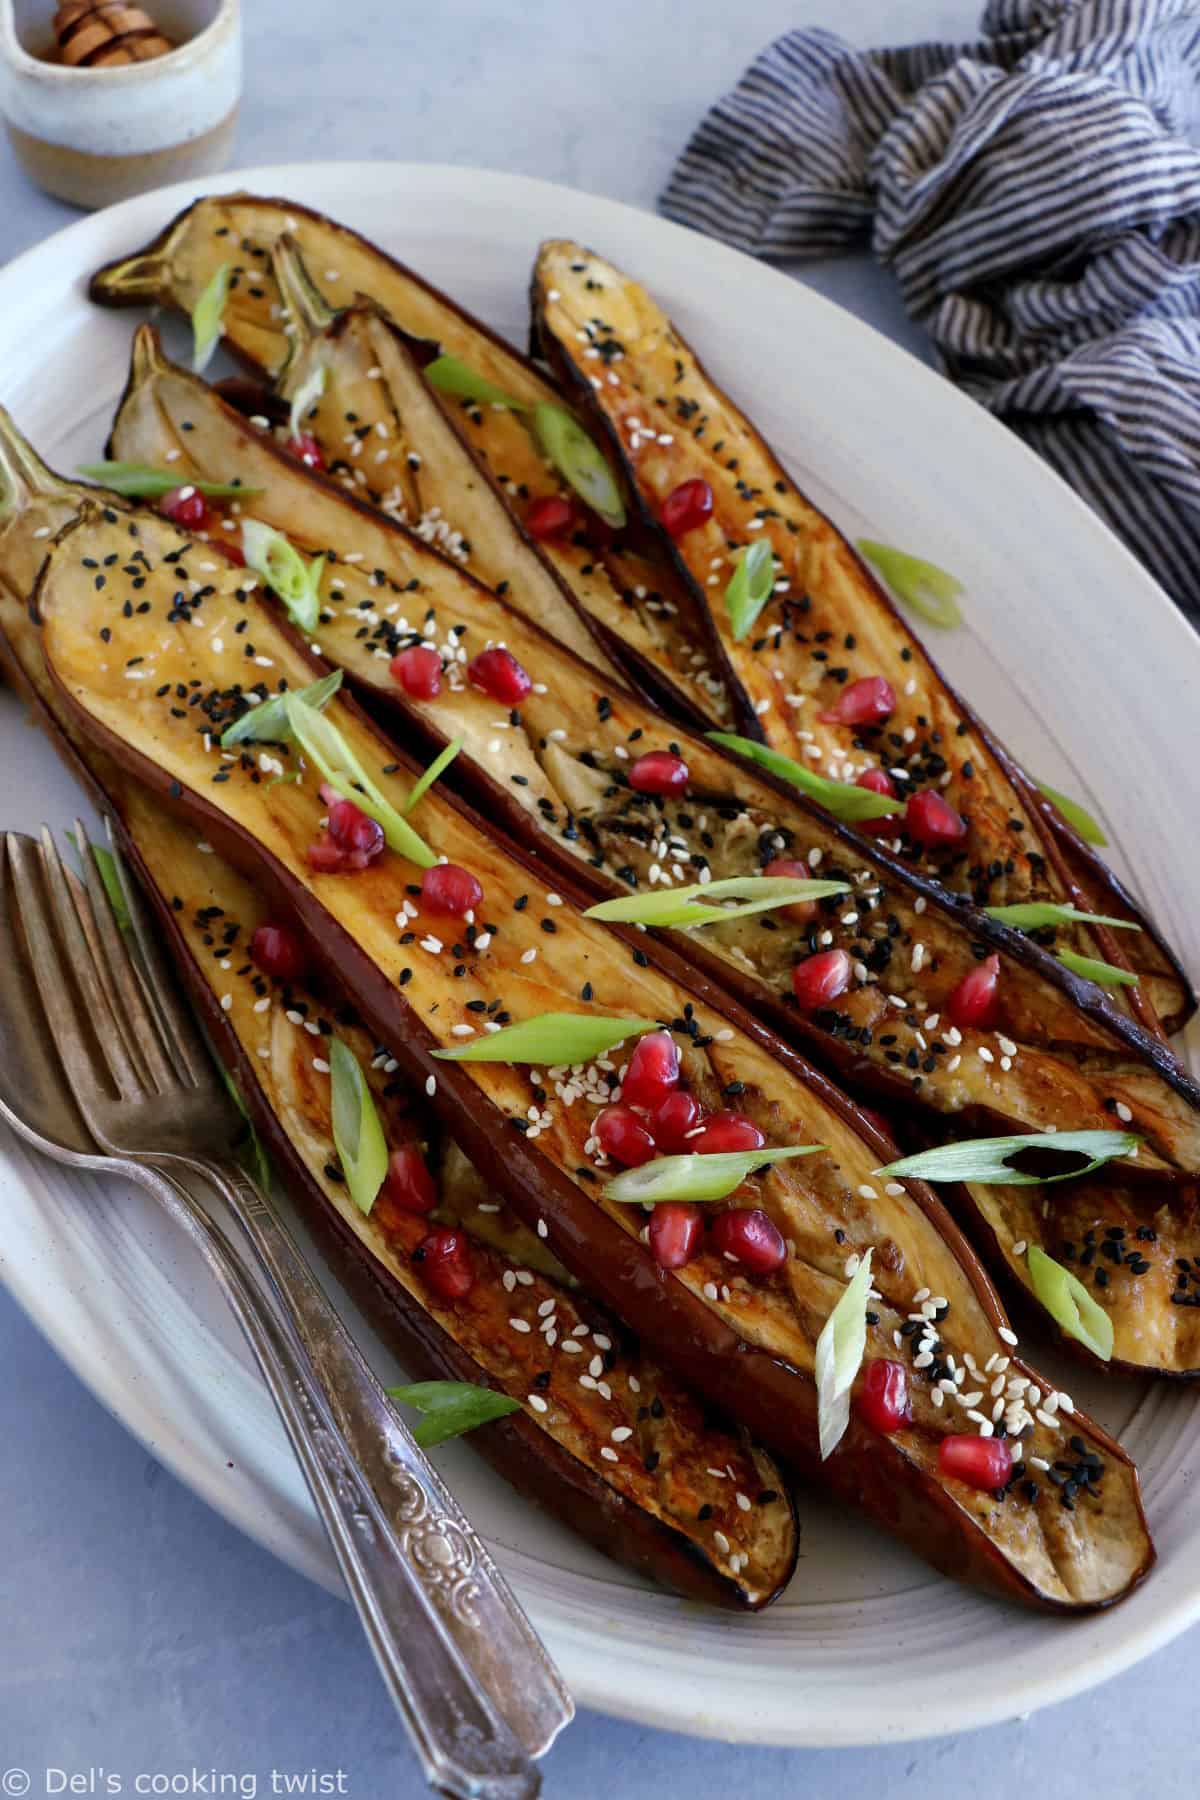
(1030, 915)
(324, 745)
(357, 1132)
(450, 376)
(917, 584)
(437, 767)
(579, 461)
(1075, 814)
(696, 1177)
(750, 587)
(306, 396)
(138, 481)
(680, 906)
(841, 798)
(1104, 974)
(840, 1351)
(452, 1407)
(106, 868)
(267, 723)
(551, 1039)
(986, 1159)
(255, 1156)
(207, 316)
(1070, 1304)
(297, 583)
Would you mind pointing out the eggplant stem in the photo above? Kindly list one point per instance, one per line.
(23, 474)
(306, 305)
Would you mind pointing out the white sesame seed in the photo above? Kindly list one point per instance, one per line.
(542, 1229)
(528, 956)
(1123, 1112)
(1020, 1247)
(866, 1192)
(721, 1542)
(1009, 1337)
(509, 1280)
(520, 1325)
(596, 1366)
(431, 1086)
(620, 1432)
(609, 1455)
(710, 1290)
(537, 1403)
(572, 1347)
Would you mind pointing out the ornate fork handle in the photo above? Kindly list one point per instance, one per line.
(465, 1747)
(441, 1550)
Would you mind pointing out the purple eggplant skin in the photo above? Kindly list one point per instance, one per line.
(773, 1399)
(540, 1469)
(1087, 880)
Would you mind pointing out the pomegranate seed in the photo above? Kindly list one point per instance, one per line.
(671, 1122)
(726, 1131)
(623, 1136)
(448, 889)
(980, 1462)
(932, 821)
(973, 1001)
(549, 517)
(658, 772)
(789, 869)
(418, 670)
(498, 674)
(745, 1232)
(445, 1262)
(819, 979)
(877, 781)
(186, 506)
(866, 702)
(326, 858)
(687, 506)
(653, 1071)
(277, 952)
(408, 1184)
(305, 448)
(354, 831)
(883, 1400)
(674, 1234)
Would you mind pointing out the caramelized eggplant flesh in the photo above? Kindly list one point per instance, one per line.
(825, 626)
(632, 1461)
(424, 984)
(555, 772)
(651, 626)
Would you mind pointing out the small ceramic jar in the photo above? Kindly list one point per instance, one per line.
(95, 136)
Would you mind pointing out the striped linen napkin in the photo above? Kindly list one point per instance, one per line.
(1038, 199)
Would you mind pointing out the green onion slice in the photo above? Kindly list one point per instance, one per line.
(451, 1407)
(696, 1177)
(917, 584)
(841, 798)
(579, 461)
(357, 1132)
(840, 1351)
(138, 481)
(207, 316)
(450, 376)
(297, 583)
(437, 767)
(255, 1155)
(750, 587)
(551, 1039)
(687, 906)
(106, 868)
(1030, 915)
(1070, 1304)
(1075, 814)
(306, 397)
(1104, 974)
(324, 745)
(986, 1159)
(267, 723)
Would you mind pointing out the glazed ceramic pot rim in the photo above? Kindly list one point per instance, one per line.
(193, 49)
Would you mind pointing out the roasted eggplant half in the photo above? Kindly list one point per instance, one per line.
(629, 1458)
(820, 664)
(154, 681)
(555, 771)
(650, 623)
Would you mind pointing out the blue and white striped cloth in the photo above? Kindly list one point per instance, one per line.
(1038, 198)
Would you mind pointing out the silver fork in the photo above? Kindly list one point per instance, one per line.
(458, 1656)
